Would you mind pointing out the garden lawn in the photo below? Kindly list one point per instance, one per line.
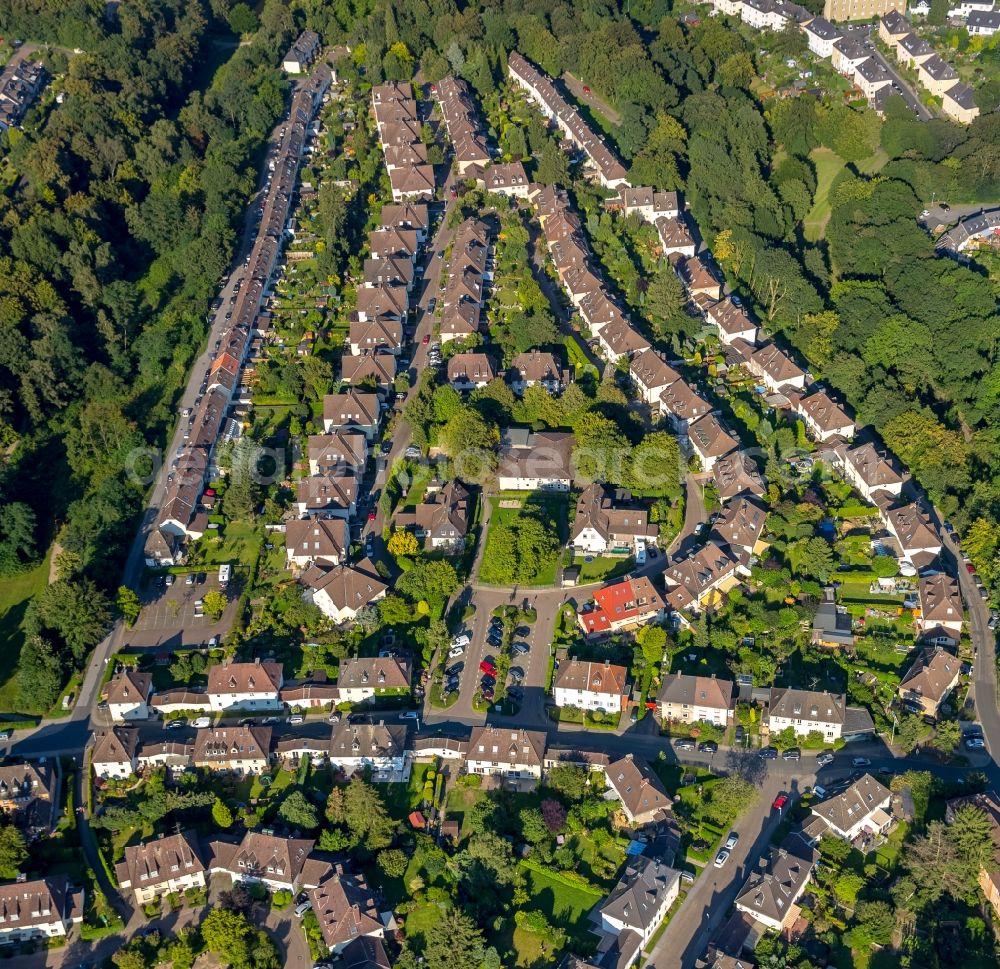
(459, 803)
(554, 510)
(602, 568)
(16, 592)
(562, 903)
(241, 542)
(828, 165)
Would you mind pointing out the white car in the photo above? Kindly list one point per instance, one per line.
(202, 722)
(731, 841)
(301, 910)
(461, 640)
(455, 651)
(296, 718)
(721, 858)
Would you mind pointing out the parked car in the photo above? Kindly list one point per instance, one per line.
(201, 723)
(861, 762)
(819, 792)
(721, 858)
(175, 724)
(792, 754)
(975, 743)
(731, 841)
(169, 581)
(518, 648)
(461, 640)
(455, 651)
(824, 759)
(708, 747)
(301, 910)
(684, 744)
(780, 802)
(296, 718)
(739, 734)
(768, 753)
(454, 669)
(488, 667)
(409, 715)
(426, 339)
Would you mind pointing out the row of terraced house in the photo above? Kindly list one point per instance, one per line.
(181, 517)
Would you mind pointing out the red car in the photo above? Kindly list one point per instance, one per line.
(426, 339)
(780, 802)
(586, 90)
(371, 516)
(970, 568)
(488, 668)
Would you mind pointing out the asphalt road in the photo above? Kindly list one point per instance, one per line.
(903, 88)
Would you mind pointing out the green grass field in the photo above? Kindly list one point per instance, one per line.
(562, 904)
(15, 593)
(828, 165)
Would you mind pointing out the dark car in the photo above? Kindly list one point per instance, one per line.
(515, 693)
(708, 747)
(517, 671)
(792, 754)
(768, 753)
(739, 735)
(454, 669)
(684, 744)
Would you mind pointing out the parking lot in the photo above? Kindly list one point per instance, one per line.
(534, 662)
(169, 616)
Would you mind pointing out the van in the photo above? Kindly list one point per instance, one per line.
(224, 572)
(201, 722)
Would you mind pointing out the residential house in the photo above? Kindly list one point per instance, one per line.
(409, 215)
(710, 440)
(892, 27)
(770, 893)
(322, 541)
(870, 77)
(505, 179)
(535, 460)
(367, 951)
(380, 315)
(959, 101)
(238, 750)
(343, 450)
(351, 410)
(698, 581)
(591, 686)
(841, 10)
(983, 23)
(860, 812)
(736, 474)
(174, 755)
(608, 523)
(930, 680)
(469, 371)
(687, 699)
(641, 899)
(379, 747)
(624, 604)
(347, 914)
(824, 417)
(763, 14)
(263, 858)
(849, 52)
(937, 75)
(302, 53)
(832, 624)
(740, 527)
(870, 469)
(168, 864)
(375, 369)
(341, 592)
(329, 495)
(46, 908)
(732, 322)
(538, 367)
(314, 691)
(443, 519)
(776, 369)
(362, 679)
(620, 340)
(510, 753)
(292, 750)
(918, 538)
(412, 182)
(113, 753)
(638, 790)
(651, 375)
(699, 279)
(939, 619)
(26, 796)
(806, 711)
(675, 237)
(820, 35)
(912, 49)
(244, 686)
(683, 406)
(128, 695)
(649, 204)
